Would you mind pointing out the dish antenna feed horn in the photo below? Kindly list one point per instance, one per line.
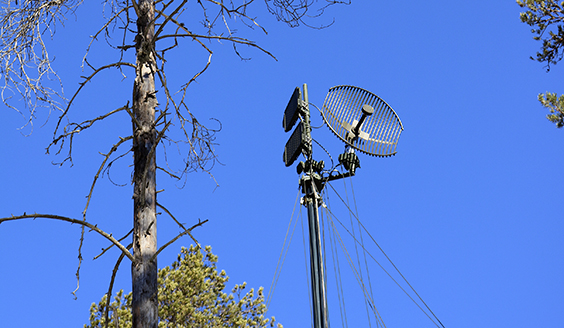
(364, 122)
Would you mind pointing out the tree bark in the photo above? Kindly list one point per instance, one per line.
(143, 270)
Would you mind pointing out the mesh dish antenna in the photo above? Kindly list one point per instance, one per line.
(362, 120)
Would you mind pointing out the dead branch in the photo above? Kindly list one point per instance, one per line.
(232, 39)
(172, 175)
(24, 60)
(82, 84)
(82, 224)
(185, 232)
(103, 29)
(66, 219)
(112, 280)
(106, 157)
(104, 250)
(114, 148)
(109, 166)
(167, 17)
(294, 13)
(172, 216)
(75, 128)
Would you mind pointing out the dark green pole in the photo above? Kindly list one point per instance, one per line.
(311, 202)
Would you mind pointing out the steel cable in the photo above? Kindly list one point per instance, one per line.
(283, 254)
(356, 248)
(361, 240)
(337, 270)
(389, 260)
(351, 264)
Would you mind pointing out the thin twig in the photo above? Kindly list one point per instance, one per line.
(104, 250)
(185, 232)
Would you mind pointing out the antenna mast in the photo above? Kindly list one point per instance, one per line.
(312, 200)
(376, 137)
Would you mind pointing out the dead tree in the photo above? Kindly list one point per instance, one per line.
(144, 267)
(152, 28)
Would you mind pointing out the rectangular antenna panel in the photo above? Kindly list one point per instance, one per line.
(292, 110)
(294, 146)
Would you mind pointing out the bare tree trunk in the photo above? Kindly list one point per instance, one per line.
(144, 270)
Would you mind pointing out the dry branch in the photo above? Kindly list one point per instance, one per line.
(66, 219)
(185, 232)
(104, 250)
(112, 280)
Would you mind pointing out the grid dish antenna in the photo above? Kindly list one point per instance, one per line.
(362, 120)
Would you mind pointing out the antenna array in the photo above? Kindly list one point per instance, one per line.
(378, 135)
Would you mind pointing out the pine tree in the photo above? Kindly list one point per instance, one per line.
(547, 18)
(191, 294)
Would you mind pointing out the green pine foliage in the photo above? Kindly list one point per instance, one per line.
(191, 295)
(555, 104)
(546, 17)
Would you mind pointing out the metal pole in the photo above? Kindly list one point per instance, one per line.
(311, 202)
(316, 263)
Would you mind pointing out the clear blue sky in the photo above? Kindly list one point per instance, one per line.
(469, 209)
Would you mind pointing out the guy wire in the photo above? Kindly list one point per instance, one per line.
(356, 247)
(337, 270)
(283, 254)
(361, 240)
(389, 275)
(351, 264)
